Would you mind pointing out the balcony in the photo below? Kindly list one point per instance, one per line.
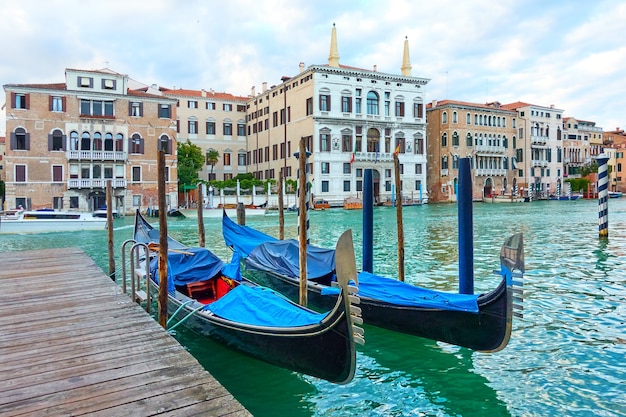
(444, 172)
(95, 183)
(490, 149)
(491, 172)
(540, 164)
(373, 156)
(538, 140)
(118, 156)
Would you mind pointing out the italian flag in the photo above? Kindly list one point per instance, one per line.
(352, 156)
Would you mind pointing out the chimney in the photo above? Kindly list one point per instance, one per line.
(203, 92)
(252, 92)
(301, 67)
(434, 103)
(375, 67)
(264, 86)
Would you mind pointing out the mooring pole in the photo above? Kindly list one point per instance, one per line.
(200, 198)
(396, 168)
(466, 235)
(109, 199)
(281, 207)
(368, 221)
(162, 239)
(303, 226)
(603, 196)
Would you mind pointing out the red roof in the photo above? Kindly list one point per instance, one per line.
(199, 93)
(441, 103)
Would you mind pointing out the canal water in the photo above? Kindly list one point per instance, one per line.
(565, 357)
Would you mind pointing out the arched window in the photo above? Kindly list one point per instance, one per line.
(165, 143)
(444, 140)
(455, 139)
(108, 142)
(468, 119)
(97, 141)
(454, 117)
(373, 140)
(372, 103)
(74, 141)
(85, 142)
(444, 117)
(119, 142)
(468, 139)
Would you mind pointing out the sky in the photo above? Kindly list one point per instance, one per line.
(570, 54)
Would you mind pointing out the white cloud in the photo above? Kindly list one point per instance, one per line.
(561, 53)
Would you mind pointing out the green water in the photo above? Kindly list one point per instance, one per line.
(565, 357)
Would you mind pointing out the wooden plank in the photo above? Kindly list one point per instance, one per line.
(72, 344)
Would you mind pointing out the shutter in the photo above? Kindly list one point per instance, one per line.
(130, 108)
(63, 101)
(130, 145)
(50, 99)
(12, 140)
(27, 141)
(64, 143)
(177, 126)
(27, 101)
(49, 142)
(12, 100)
(141, 145)
(140, 109)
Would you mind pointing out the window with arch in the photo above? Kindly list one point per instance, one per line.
(373, 140)
(444, 162)
(108, 141)
(468, 139)
(372, 103)
(475, 119)
(455, 118)
(56, 141)
(444, 117)
(165, 143)
(444, 140)
(468, 118)
(136, 144)
(419, 144)
(74, 144)
(455, 161)
(85, 142)
(119, 142)
(97, 141)
(455, 139)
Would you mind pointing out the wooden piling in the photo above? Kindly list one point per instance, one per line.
(281, 207)
(302, 235)
(201, 234)
(163, 248)
(396, 168)
(109, 199)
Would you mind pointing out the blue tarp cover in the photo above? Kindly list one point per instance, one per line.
(190, 265)
(283, 257)
(400, 293)
(242, 239)
(264, 252)
(262, 307)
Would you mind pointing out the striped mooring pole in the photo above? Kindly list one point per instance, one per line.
(603, 196)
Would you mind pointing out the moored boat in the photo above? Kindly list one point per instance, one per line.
(213, 300)
(480, 322)
(48, 220)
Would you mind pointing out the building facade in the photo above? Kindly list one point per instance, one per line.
(352, 119)
(485, 133)
(539, 151)
(65, 142)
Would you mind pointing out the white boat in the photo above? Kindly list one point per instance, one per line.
(503, 199)
(43, 221)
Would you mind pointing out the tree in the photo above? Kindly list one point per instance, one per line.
(190, 161)
(212, 156)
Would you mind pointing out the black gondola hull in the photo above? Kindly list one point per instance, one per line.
(488, 330)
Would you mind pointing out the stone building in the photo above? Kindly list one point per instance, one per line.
(539, 150)
(351, 118)
(486, 133)
(65, 141)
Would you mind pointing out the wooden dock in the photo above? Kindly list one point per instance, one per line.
(72, 344)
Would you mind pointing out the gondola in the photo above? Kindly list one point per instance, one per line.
(479, 322)
(213, 300)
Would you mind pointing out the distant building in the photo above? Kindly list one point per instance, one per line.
(582, 141)
(485, 133)
(539, 151)
(2, 170)
(616, 139)
(67, 140)
(352, 119)
(214, 122)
